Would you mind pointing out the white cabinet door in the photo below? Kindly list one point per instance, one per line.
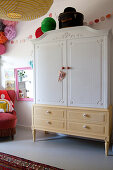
(85, 78)
(49, 60)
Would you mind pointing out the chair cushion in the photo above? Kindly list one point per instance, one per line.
(3, 106)
(5, 98)
(12, 95)
(4, 95)
(7, 120)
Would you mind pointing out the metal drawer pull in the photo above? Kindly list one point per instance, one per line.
(48, 111)
(49, 123)
(84, 115)
(84, 126)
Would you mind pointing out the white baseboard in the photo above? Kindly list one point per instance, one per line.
(24, 127)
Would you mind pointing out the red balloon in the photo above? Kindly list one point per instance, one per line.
(38, 32)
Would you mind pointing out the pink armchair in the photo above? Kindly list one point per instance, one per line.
(8, 120)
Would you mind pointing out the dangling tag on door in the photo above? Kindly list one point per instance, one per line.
(61, 75)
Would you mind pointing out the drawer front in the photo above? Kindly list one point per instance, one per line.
(85, 116)
(49, 113)
(85, 128)
(50, 124)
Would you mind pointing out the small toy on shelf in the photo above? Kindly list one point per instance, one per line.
(38, 32)
(48, 24)
(70, 18)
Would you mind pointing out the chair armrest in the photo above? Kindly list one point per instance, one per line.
(14, 113)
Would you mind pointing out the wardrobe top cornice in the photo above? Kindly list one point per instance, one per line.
(71, 33)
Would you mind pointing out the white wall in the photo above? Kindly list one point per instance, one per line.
(19, 53)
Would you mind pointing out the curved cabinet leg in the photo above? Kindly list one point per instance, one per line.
(106, 147)
(34, 134)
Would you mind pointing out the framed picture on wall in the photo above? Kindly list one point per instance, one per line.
(9, 74)
(10, 85)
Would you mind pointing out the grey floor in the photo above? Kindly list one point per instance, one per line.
(60, 151)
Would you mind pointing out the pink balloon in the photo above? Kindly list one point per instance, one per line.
(9, 23)
(2, 49)
(91, 23)
(10, 32)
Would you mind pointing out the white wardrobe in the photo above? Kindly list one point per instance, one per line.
(80, 102)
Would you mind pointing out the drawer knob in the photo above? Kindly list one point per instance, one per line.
(48, 112)
(84, 115)
(49, 123)
(84, 126)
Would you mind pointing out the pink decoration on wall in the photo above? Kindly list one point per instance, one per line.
(16, 41)
(10, 32)
(50, 15)
(102, 18)
(9, 23)
(23, 40)
(91, 23)
(2, 49)
(12, 42)
(30, 36)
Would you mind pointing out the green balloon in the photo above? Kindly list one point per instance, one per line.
(48, 24)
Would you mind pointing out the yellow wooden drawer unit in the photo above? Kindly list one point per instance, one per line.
(85, 122)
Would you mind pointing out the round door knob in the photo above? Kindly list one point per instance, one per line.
(84, 126)
(49, 123)
(48, 112)
(71, 102)
(61, 101)
(84, 115)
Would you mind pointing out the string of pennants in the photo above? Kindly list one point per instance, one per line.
(21, 41)
(95, 21)
(101, 19)
(90, 23)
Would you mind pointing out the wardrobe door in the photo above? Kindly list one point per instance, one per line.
(86, 78)
(49, 60)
